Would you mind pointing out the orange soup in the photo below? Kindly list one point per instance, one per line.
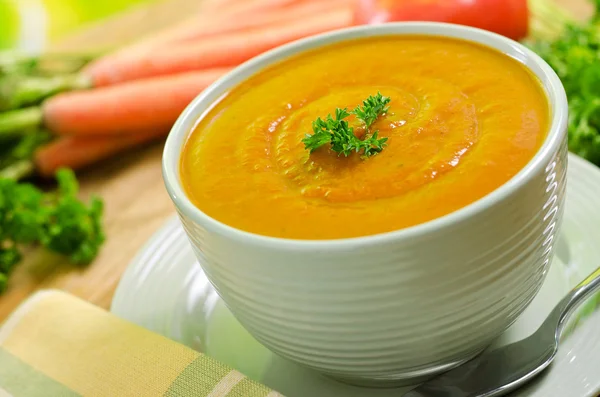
(463, 119)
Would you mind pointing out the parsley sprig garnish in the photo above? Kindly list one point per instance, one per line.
(340, 135)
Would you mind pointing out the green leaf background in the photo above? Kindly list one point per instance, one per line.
(63, 16)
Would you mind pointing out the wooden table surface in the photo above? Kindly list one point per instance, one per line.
(132, 186)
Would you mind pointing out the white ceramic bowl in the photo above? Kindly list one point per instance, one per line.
(394, 307)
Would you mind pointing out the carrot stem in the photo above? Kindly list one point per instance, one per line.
(47, 64)
(19, 122)
(14, 62)
(18, 170)
(17, 92)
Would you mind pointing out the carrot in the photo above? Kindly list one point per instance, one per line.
(292, 13)
(228, 23)
(134, 106)
(79, 152)
(220, 51)
(129, 108)
(229, 15)
(245, 6)
(209, 4)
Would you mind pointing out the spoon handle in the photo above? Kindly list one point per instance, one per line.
(498, 372)
(580, 293)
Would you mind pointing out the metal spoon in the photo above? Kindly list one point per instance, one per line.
(503, 370)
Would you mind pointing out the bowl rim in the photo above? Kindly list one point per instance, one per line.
(180, 131)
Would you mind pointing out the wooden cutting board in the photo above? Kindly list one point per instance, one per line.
(131, 185)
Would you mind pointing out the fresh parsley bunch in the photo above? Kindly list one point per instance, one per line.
(58, 221)
(340, 135)
(575, 56)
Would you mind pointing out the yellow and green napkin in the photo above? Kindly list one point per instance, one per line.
(57, 345)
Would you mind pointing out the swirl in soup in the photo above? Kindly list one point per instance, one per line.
(463, 119)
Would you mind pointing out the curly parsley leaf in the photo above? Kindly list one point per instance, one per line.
(575, 56)
(337, 132)
(58, 221)
(73, 228)
(373, 107)
(322, 133)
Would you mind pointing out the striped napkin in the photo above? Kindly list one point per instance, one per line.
(55, 344)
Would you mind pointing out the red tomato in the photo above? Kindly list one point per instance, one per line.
(505, 17)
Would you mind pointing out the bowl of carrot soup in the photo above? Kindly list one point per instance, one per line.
(377, 203)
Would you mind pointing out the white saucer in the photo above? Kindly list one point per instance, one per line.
(165, 290)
